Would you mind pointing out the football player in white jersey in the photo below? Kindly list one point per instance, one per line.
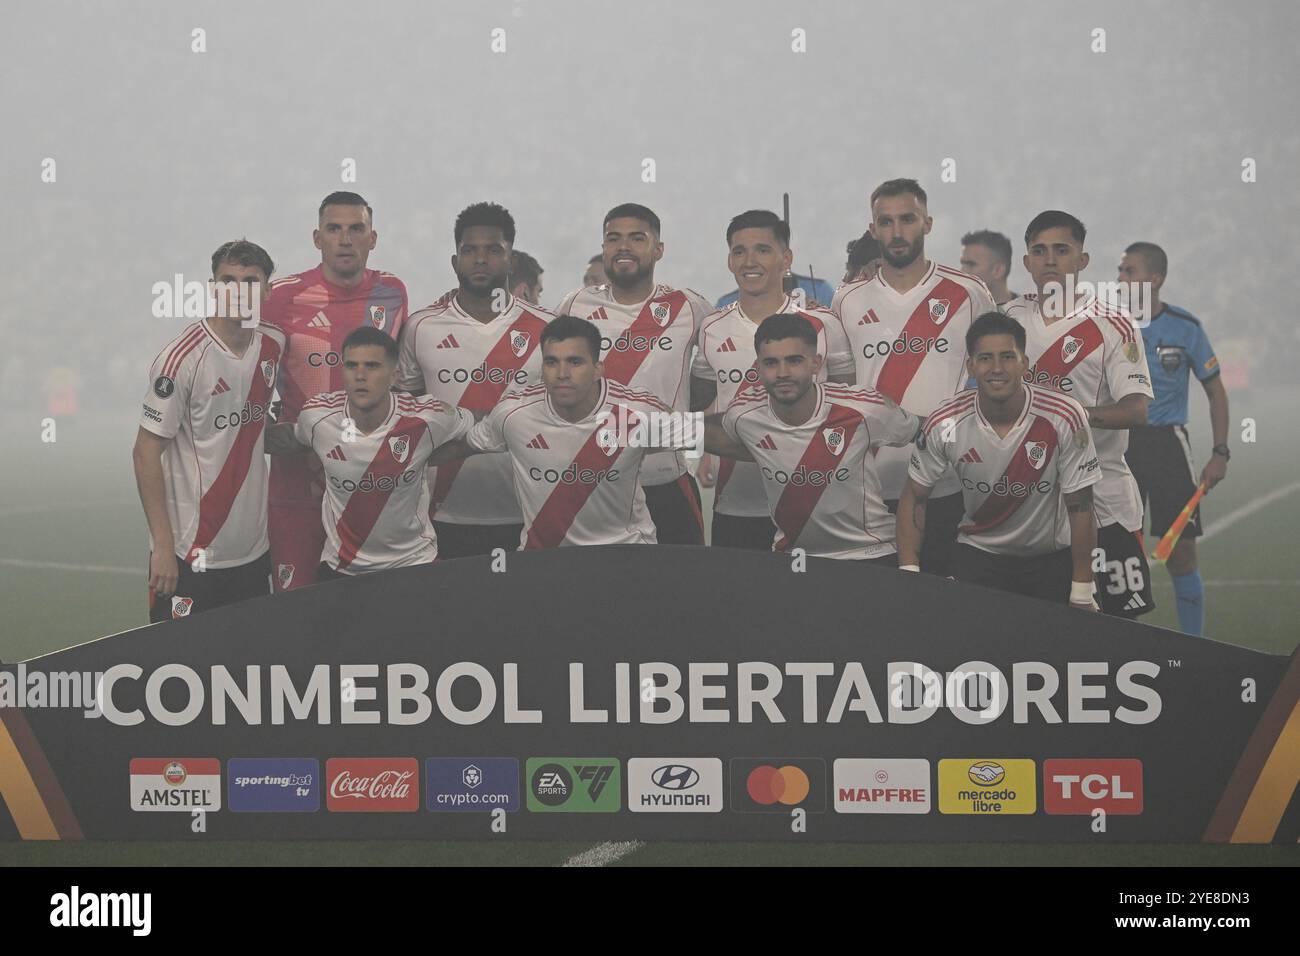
(1027, 466)
(647, 332)
(986, 255)
(198, 456)
(815, 447)
(907, 327)
(1093, 352)
(374, 445)
(759, 256)
(468, 350)
(576, 478)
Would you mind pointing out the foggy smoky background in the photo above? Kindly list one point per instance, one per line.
(162, 154)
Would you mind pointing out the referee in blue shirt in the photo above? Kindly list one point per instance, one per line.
(1159, 454)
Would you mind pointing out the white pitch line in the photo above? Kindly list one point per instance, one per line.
(603, 854)
(60, 566)
(1245, 511)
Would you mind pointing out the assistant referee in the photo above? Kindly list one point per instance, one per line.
(1159, 453)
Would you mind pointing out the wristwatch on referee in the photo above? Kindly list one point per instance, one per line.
(1222, 450)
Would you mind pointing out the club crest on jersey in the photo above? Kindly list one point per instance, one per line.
(834, 439)
(285, 573)
(268, 372)
(660, 312)
(939, 310)
(400, 446)
(181, 606)
(377, 317)
(607, 440)
(519, 342)
(1070, 348)
(1036, 452)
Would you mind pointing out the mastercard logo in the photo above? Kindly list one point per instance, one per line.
(767, 785)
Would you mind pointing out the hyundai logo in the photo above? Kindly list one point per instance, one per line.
(675, 776)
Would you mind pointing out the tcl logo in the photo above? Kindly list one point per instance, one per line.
(249, 413)
(636, 343)
(317, 359)
(904, 344)
(372, 785)
(1081, 786)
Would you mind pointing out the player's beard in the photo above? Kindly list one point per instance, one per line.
(484, 288)
(901, 260)
(630, 280)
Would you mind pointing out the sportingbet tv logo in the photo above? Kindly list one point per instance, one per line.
(574, 784)
(194, 299)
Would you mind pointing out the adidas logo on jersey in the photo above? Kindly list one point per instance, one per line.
(870, 318)
(337, 453)
(221, 387)
(972, 457)
(538, 442)
(449, 343)
(1135, 603)
(767, 443)
(727, 346)
(599, 315)
(319, 321)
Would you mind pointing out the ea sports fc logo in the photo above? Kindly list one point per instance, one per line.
(372, 482)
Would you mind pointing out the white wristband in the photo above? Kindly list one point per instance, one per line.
(909, 567)
(1081, 592)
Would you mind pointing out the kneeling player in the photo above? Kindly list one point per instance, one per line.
(576, 482)
(374, 445)
(198, 454)
(1020, 452)
(815, 446)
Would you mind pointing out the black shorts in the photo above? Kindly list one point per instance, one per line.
(471, 540)
(752, 534)
(1124, 587)
(198, 591)
(1045, 576)
(1160, 458)
(675, 510)
(942, 516)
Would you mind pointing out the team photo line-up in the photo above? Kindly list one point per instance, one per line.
(927, 419)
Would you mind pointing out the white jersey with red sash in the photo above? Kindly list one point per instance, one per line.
(1011, 486)
(911, 346)
(376, 509)
(725, 354)
(1095, 356)
(820, 477)
(576, 486)
(214, 404)
(457, 359)
(646, 346)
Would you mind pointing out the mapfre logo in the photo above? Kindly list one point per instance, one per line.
(881, 785)
(372, 785)
(1077, 787)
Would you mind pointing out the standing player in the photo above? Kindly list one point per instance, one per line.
(758, 243)
(815, 446)
(647, 331)
(1027, 465)
(595, 274)
(987, 256)
(525, 277)
(1159, 453)
(907, 329)
(864, 258)
(316, 310)
(1092, 352)
(467, 352)
(374, 445)
(577, 483)
(198, 454)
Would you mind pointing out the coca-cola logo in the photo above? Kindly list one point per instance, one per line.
(388, 785)
(372, 785)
